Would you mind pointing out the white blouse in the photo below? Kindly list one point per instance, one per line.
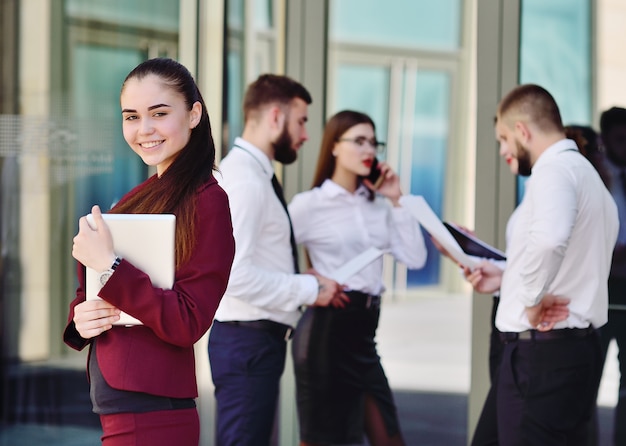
(335, 226)
(561, 243)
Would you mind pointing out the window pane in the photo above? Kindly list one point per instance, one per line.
(555, 53)
(235, 14)
(263, 14)
(252, 50)
(234, 98)
(428, 159)
(363, 88)
(366, 88)
(426, 24)
(161, 15)
(107, 168)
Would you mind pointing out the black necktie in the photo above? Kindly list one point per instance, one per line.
(278, 189)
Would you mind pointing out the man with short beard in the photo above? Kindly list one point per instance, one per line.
(255, 319)
(553, 290)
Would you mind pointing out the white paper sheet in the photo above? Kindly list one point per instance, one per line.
(423, 213)
(356, 264)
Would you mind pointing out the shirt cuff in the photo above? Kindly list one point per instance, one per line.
(401, 214)
(310, 288)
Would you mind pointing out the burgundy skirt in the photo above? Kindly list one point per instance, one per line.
(180, 427)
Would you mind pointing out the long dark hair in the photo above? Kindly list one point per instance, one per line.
(175, 190)
(336, 126)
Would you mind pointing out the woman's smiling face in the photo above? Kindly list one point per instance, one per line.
(156, 121)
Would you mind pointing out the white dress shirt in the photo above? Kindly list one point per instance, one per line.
(262, 282)
(561, 243)
(336, 226)
(508, 233)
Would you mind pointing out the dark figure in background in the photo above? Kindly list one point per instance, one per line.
(588, 142)
(613, 138)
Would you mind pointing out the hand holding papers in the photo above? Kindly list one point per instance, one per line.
(419, 208)
(473, 246)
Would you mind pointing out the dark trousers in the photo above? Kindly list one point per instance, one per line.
(246, 366)
(616, 329)
(486, 432)
(546, 391)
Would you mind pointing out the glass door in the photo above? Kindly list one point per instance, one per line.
(409, 102)
(398, 62)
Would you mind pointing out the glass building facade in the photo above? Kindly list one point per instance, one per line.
(399, 62)
(410, 64)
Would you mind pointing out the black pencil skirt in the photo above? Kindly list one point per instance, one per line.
(336, 364)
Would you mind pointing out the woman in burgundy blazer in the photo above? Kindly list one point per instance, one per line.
(142, 378)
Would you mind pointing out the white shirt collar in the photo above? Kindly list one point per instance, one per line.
(554, 149)
(332, 189)
(264, 162)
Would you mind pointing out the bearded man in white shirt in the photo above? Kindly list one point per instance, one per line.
(247, 343)
(561, 245)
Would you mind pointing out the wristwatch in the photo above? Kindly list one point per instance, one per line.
(104, 276)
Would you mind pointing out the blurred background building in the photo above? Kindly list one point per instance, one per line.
(429, 73)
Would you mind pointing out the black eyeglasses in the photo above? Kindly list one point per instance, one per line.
(361, 142)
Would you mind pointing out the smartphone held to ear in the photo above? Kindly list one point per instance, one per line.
(375, 176)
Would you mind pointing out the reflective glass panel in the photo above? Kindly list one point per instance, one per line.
(364, 88)
(427, 24)
(555, 52)
(263, 19)
(235, 14)
(428, 158)
(235, 97)
(161, 15)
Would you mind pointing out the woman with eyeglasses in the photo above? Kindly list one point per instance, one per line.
(342, 391)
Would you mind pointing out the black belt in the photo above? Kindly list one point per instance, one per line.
(363, 300)
(534, 335)
(182, 403)
(276, 328)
